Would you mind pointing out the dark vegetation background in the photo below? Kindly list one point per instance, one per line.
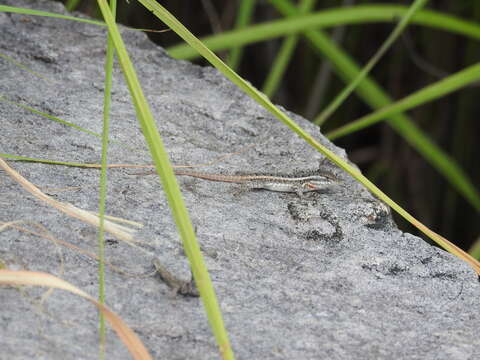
(421, 57)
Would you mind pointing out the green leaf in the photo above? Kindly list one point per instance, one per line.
(361, 14)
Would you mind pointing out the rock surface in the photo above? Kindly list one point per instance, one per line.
(325, 276)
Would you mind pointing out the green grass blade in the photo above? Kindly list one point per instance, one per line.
(61, 121)
(25, 11)
(176, 26)
(244, 18)
(25, 68)
(51, 117)
(103, 181)
(43, 161)
(340, 98)
(284, 55)
(171, 188)
(429, 93)
(360, 14)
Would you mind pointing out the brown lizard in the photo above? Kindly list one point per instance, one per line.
(298, 185)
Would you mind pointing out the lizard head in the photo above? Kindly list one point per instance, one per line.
(322, 181)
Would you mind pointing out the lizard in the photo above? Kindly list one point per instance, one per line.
(297, 185)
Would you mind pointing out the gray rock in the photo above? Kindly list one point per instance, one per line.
(325, 276)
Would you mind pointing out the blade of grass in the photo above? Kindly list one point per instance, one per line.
(171, 188)
(284, 55)
(23, 67)
(176, 26)
(61, 121)
(244, 18)
(429, 93)
(68, 163)
(340, 98)
(323, 76)
(25, 11)
(51, 117)
(103, 180)
(359, 14)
